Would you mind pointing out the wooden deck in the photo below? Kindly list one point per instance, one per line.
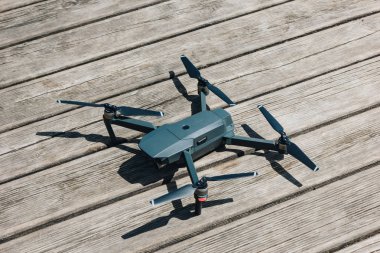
(314, 64)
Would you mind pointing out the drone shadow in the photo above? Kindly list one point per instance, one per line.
(194, 99)
(89, 137)
(140, 169)
(272, 158)
(179, 212)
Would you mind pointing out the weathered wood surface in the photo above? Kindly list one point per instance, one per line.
(127, 71)
(125, 32)
(7, 5)
(371, 244)
(145, 226)
(304, 60)
(342, 210)
(79, 176)
(52, 16)
(314, 64)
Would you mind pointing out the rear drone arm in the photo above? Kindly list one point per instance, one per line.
(120, 115)
(251, 142)
(134, 124)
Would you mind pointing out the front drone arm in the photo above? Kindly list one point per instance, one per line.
(251, 142)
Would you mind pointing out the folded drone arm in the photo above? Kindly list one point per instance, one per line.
(138, 125)
(251, 142)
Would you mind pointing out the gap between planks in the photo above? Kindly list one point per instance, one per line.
(84, 172)
(108, 223)
(313, 222)
(74, 82)
(303, 58)
(140, 28)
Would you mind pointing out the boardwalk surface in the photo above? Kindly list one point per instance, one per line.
(314, 64)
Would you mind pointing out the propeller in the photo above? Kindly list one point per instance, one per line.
(194, 73)
(189, 190)
(290, 147)
(124, 110)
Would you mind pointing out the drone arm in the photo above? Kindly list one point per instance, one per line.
(138, 125)
(203, 101)
(135, 124)
(251, 142)
(190, 167)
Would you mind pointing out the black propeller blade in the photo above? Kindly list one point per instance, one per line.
(291, 147)
(272, 121)
(188, 190)
(124, 110)
(194, 73)
(231, 176)
(297, 153)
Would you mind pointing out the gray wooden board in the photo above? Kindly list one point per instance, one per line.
(314, 222)
(7, 5)
(47, 17)
(100, 230)
(295, 61)
(93, 179)
(136, 68)
(124, 32)
(315, 59)
(371, 244)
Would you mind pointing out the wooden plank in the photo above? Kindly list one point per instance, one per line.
(148, 228)
(7, 5)
(371, 244)
(127, 71)
(49, 17)
(313, 58)
(94, 179)
(101, 39)
(314, 222)
(303, 59)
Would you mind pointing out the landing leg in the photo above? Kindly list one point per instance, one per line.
(110, 131)
(198, 207)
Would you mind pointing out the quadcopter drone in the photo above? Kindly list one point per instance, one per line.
(193, 137)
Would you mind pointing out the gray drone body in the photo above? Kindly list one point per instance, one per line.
(200, 134)
(193, 137)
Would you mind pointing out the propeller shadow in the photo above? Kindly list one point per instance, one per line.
(181, 213)
(272, 158)
(89, 137)
(194, 99)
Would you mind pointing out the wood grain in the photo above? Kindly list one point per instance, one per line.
(48, 17)
(7, 5)
(128, 71)
(371, 244)
(296, 61)
(342, 210)
(148, 228)
(96, 178)
(92, 42)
